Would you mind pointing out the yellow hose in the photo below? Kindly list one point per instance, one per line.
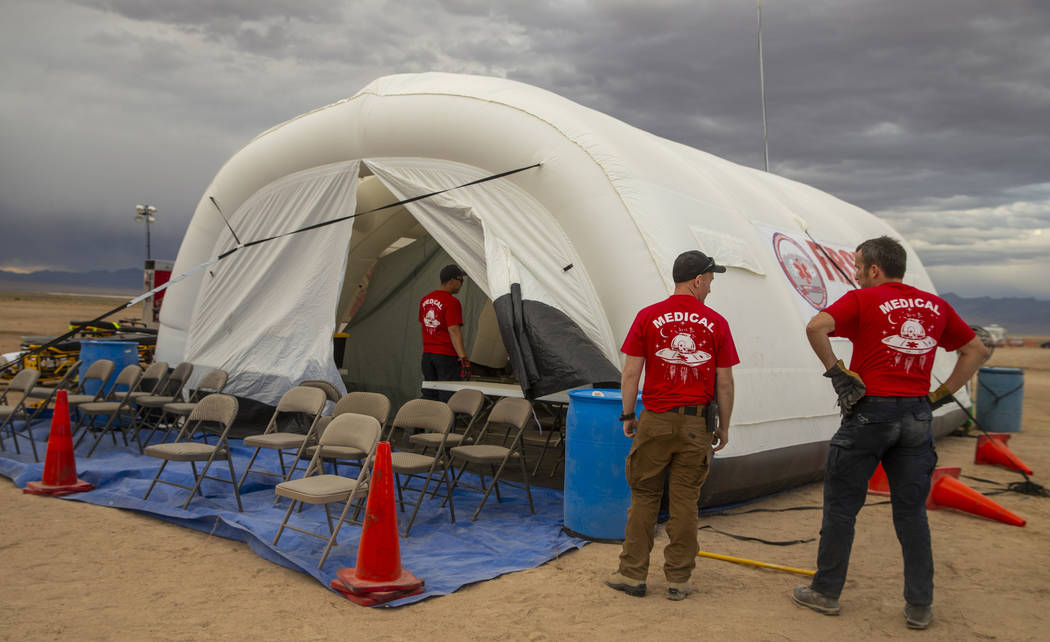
(741, 560)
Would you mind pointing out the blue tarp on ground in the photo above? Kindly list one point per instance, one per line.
(447, 556)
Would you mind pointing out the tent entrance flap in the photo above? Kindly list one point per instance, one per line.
(547, 350)
(278, 298)
(501, 234)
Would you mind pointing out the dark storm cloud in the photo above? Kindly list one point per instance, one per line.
(929, 114)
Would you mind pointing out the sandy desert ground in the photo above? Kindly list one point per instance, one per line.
(79, 571)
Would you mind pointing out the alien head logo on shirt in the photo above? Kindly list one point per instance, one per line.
(430, 320)
(683, 351)
(911, 338)
(907, 332)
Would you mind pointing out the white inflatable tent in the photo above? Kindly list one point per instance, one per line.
(567, 251)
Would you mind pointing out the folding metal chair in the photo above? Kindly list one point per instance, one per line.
(346, 431)
(98, 372)
(149, 409)
(47, 393)
(301, 400)
(551, 439)
(128, 378)
(213, 409)
(212, 383)
(513, 415)
(330, 391)
(373, 404)
(12, 410)
(151, 381)
(465, 403)
(429, 416)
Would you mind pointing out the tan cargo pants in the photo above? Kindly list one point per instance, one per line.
(666, 445)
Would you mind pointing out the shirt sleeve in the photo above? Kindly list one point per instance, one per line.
(845, 311)
(727, 356)
(956, 333)
(634, 344)
(454, 313)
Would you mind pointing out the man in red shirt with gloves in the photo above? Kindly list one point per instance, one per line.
(441, 318)
(688, 355)
(886, 407)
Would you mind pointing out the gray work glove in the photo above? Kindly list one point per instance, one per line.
(848, 385)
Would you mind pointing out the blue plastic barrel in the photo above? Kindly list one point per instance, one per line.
(596, 492)
(121, 353)
(1000, 395)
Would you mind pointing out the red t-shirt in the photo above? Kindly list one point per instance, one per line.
(895, 330)
(683, 341)
(437, 311)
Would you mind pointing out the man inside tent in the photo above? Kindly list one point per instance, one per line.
(688, 355)
(441, 318)
(886, 415)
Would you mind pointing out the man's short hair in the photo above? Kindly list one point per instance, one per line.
(450, 272)
(886, 253)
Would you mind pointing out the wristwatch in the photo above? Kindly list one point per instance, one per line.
(626, 416)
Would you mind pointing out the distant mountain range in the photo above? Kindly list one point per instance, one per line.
(127, 281)
(1019, 315)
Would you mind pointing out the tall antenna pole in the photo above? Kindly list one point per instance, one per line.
(762, 85)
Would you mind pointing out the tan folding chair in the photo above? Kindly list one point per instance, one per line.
(348, 431)
(215, 409)
(212, 383)
(548, 439)
(330, 391)
(47, 393)
(302, 400)
(99, 371)
(151, 382)
(114, 406)
(430, 416)
(373, 404)
(149, 409)
(465, 403)
(513, 415)
(12, 409)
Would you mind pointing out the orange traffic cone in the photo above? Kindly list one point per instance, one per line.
(991, 449)
(879, 484)
(60, 464)
(948, 492)
(378, 576)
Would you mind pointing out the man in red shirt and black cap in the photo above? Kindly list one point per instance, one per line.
(688, 355)
(887, 409)
(441, 319)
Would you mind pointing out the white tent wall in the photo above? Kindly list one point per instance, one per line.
(615, 202)
(262, 294)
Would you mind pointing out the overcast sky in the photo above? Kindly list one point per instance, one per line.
(934, 115)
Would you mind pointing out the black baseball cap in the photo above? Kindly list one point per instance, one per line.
(692, 264)
(450, 272)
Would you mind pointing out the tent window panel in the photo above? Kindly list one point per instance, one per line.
(662, 213)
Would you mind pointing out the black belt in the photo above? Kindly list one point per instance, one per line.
(691, 411)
